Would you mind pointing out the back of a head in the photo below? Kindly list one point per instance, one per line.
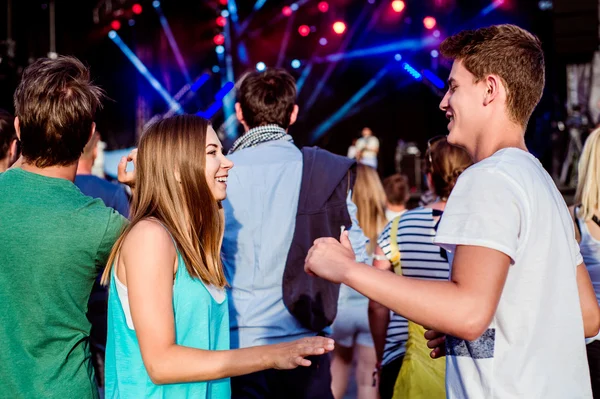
(267, 98)
(369, 197)
(7, 133)
(588, 184)
(508, 51)
(446, 165)
(171, 183)
(396, 189)
(56, 104)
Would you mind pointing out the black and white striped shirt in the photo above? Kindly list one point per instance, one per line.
(420, 259)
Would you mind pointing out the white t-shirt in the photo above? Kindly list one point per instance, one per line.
(534, 346)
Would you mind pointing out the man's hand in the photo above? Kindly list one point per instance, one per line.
(125, 177)
(330, 259)
(437, 342)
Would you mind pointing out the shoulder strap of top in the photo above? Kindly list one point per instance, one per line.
(395, 257)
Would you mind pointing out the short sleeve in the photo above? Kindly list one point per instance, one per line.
(121, 203)
(114, 227)
(485, 209)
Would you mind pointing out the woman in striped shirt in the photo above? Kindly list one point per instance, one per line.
(420, 258)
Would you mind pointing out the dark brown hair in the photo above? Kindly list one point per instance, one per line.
(175, 144)
(267, 98)
(56, 104)
(7, 133)
(396, 189)
(447, 163)
(508, 51)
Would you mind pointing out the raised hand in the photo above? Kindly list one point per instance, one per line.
(123, 176)
(329, 258)
(290, 355)
(436, 341)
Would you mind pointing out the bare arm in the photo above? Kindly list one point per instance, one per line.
(149, 257)
(588, 302)
(462, 307)
(379, 315)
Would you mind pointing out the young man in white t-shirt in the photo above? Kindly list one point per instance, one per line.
(520, 300)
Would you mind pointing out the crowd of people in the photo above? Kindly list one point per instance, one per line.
(271, 271)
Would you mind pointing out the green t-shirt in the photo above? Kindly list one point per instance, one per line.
(53, 243)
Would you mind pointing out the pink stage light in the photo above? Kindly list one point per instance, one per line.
(221, 21)
(323, 6)
(137, 9)
(287, 11)
(115, 25)
(304, 30)
(219, 39)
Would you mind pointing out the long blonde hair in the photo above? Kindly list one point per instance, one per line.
(588, 182)
(187, 208)
(370, 199)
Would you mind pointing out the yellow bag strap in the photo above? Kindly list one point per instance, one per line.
(395, 251)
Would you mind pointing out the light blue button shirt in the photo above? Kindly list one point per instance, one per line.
(260, 217)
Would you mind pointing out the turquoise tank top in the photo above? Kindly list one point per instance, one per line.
(200, 322)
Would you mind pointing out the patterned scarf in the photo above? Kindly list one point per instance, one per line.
(258, 135)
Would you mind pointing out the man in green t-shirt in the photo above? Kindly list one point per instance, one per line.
(53, 239)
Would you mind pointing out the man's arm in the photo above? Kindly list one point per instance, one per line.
(589, 304)
(462, 307)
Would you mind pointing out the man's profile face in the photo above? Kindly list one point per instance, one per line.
(464, 106)
(366, 132)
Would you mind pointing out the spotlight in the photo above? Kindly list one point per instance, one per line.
(224, 13)
(137, 9)
(131, 22)
(287, 11)
(398, 5)
(156, 4)
(220, 49)
(435, 53)
(294, 7)
(371, 1)
(221, 21)
(339, 27)
(295, 64)
(219, 39)
(323, 41)
(304, 30)
(112, 34)
(429, 22)
(216, 69)
(398, 57)
(223, 2)
(323, 6)
(260, 66)
(116, 24)
(436, 33)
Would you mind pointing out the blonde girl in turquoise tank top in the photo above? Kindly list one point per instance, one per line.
(168, 322)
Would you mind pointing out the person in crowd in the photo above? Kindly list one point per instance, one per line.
(511, 236)
(419, 256)
(9, 143)
(113, 195)
(55, 240)
(279, 201)
(168, 324)
(352, 149)
(397, 194)
(367, 148)
(586, 216)
(351, 330)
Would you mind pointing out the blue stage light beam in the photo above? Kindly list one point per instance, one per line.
(172, 42)
(303, 77)
(331, 67)
(257, 6)
(233, 12)
(171, 102)
(339, 114)
(286, 39)
(229, 76)
(216, 106)
(433, 78)
(401, 45)
(256, 32)
(412, 71)
(495, 4)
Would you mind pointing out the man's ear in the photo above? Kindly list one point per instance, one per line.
(493, 85)
(17, 127)
(240, 116)
(294, 115)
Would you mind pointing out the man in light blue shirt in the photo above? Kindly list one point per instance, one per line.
(260, 214)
